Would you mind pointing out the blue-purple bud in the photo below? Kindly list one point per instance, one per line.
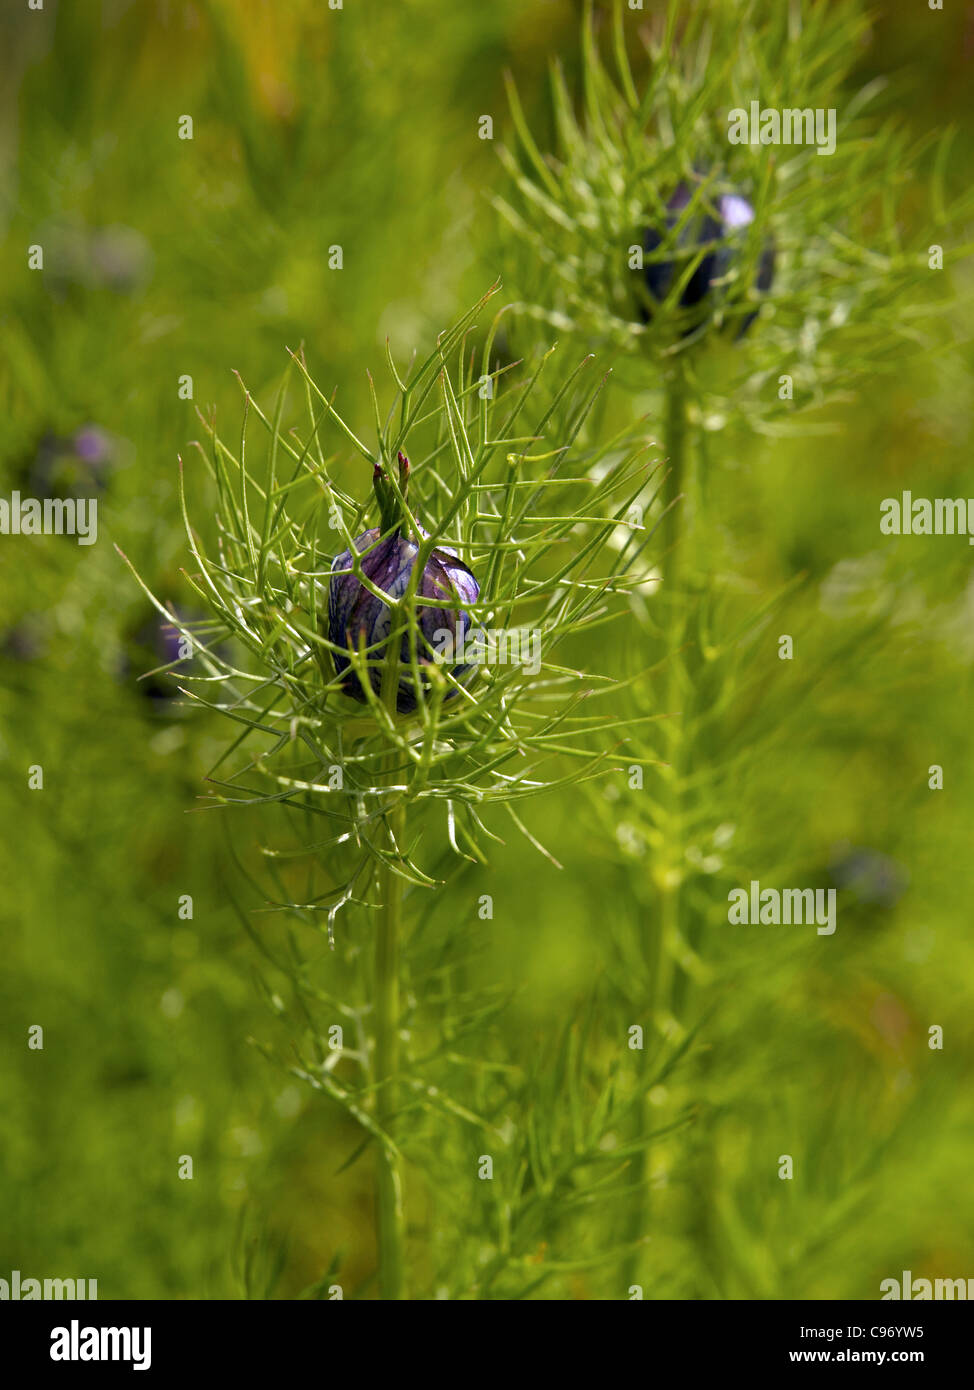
(78, 466)
(151, 644)
(721, 231)
(358, 617)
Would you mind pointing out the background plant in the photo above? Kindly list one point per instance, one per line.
(852, 295)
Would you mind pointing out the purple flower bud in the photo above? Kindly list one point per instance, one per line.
(152, 643)
(92, 444)
(119, 258)
(721, 232)
(873, 878)
(78, 466)
(25, 641)
(355, 615)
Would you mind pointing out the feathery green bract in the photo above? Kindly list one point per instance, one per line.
(852, 294)
(502, 472)
(526, 505)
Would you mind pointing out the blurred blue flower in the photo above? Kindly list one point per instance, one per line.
(116, 258)
(25, 641)
(77, 466)
(153, 644)
(716, 227)
(871, 877)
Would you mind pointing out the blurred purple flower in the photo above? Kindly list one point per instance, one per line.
(25, 641)
(869, 876)
(78, 466)
(155, 643)
(92, 444)
(119, 258)
(116, 257)
(719, 230)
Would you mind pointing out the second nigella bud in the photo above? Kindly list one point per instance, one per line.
(713, 235)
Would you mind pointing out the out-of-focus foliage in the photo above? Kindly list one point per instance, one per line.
(166, 258)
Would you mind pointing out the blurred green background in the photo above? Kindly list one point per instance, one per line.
(167, 257)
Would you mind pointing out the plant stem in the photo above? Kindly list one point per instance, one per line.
(669, 875)
(390, 1220)
(674, 442)
(660, 940)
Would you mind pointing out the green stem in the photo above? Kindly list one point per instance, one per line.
(661, 938)
(675, 444)
(669, 875)
(390, 1220)
(389, 1212)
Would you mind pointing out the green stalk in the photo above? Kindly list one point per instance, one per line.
(675, 445)
(669, 874)
(660, 940)
(390, 1220)
(389, 1212)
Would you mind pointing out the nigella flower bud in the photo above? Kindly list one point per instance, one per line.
(719, 234)
(357, 616)
(78, 466)
(153, 644)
